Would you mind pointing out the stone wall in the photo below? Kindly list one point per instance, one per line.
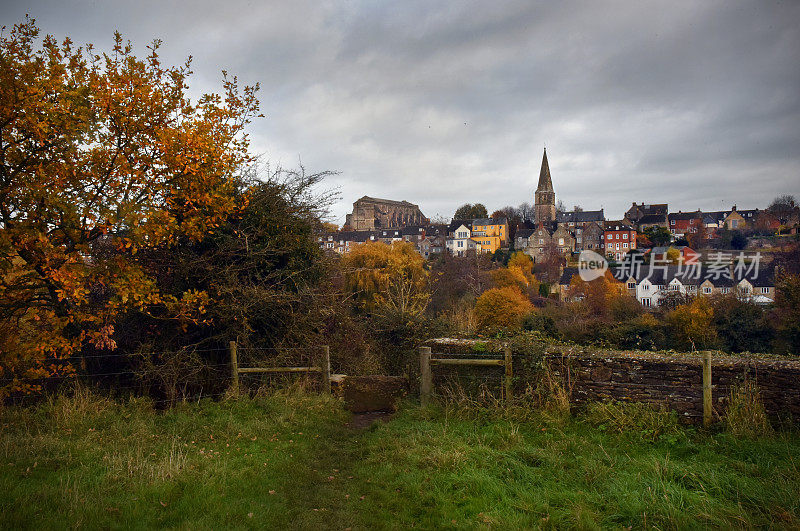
(676, 380)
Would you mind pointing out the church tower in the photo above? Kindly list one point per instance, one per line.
(545, 197)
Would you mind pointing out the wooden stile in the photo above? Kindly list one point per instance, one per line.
(426, 379)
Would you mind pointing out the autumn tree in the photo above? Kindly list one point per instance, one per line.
(526, 212)
(658, 235)
(699, 239)
(786, 313)
(785, 208)
(692, 325)
(387, 278)
(469, 211)
(513, 217)
(518, 273)
(501, 308)
(103, 156)
(551, 263)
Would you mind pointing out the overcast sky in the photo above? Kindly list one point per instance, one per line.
(441, 103)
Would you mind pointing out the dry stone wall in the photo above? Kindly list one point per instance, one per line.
(670, 379)
(675, 380)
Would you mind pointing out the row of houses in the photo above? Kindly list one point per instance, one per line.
(461, 237)
(651, 287)
(569, 232)
(573, 232)
(682, 224)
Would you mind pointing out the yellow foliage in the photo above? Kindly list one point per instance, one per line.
(673, 255)
(521, 260)
(519, 273)
(692, 324)
(387, 277)
(500, 308)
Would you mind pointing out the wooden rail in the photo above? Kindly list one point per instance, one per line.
(324, 368)
(426, 376)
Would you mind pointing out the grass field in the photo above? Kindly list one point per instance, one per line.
(291, 461)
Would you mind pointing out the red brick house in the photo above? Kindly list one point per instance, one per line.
(683, 223)
(619, 238)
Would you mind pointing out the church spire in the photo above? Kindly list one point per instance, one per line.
(545, 196)
(545, 184)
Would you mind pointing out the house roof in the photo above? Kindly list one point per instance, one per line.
(726, 278)
(715, 216)
(684, 216)
(388, 201)
(413, 230)
(489, 221)
(580, 216)
(656, 209)
(456, 223)
(351, 235)
(618, 226)
(524, 232)
(652, 218)
(662, 250)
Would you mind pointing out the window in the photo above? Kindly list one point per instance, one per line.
(625, 236)
(672, 222)
(726, 290)
(561, 241)
(707, 290)
(610, 236)
(625, 245)
(631, 285)
(764, 290)
(541, 241)
(460, 243)
(617, 247)
(646, 302)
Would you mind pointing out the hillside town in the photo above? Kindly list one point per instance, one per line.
(649, 235)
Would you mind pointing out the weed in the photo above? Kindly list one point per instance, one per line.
(651, 423)
(746, 416)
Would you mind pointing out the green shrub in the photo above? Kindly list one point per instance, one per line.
(536, 321)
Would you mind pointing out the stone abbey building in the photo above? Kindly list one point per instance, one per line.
(370, 213)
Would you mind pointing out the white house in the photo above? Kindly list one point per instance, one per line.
(462, 241)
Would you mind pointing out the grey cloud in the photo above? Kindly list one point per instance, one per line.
(443, 103)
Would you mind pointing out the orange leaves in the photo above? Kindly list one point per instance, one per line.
(105, 158)
(500, 308)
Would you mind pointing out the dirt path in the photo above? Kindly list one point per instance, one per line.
(360, 421)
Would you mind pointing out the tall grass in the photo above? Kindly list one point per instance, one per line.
(746, 416)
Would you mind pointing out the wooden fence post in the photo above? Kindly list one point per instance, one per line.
(509, 372)
(234, 368)
(325, 365)
(426, 380)
(707, 388)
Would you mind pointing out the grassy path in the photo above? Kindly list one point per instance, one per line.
(293, 462)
